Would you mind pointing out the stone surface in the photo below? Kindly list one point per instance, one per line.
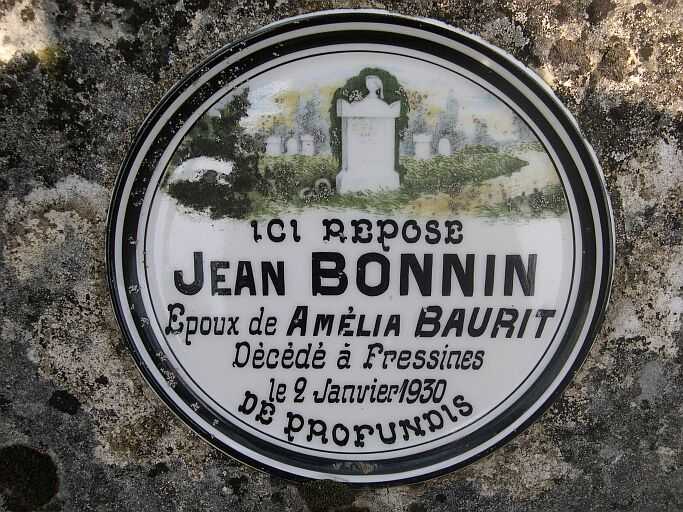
(76, 81)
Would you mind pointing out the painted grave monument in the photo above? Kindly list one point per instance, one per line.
(368, 138)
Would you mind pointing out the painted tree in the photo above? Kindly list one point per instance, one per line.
(448, 124)
(481, 133)
(418, 123)
(222, 137)
(299, 117)
(417, 119)
(309, 119)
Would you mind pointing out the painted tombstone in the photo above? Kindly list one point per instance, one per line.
(368, 142)
(444, 147)
(274, 145)
(292, 146)
(307, 145)
(324, 317)
(423, 146)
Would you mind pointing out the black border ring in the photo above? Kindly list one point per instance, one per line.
(592, 214)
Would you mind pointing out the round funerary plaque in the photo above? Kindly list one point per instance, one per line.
(359, 246)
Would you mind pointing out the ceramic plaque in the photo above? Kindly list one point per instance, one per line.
(360, 247)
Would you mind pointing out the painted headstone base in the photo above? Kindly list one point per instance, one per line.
(71, 106)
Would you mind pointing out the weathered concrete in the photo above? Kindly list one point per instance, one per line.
(76, 82)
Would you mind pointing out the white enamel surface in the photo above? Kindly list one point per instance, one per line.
(208, 359)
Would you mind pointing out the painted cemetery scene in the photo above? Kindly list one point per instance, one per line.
(378, 137)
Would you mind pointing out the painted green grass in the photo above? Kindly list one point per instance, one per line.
(293, 183)
(548, 201)
(380, 202)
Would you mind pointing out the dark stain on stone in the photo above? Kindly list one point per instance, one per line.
(326, 495)
(645, 52)
(28, 478)
(71, 89)
(614, 63)
(237, 484)
(21, 65)
(102, 380)
(159, 468)
(27, 14)
(634, 122)
(136, 15)
(129, 50)
(565, 11)
(67, 12)
(15, 71)
(149, 56)
(639, 10)
(65, 402)
(196, 5)
(35, 302)
(566, 51)
(619, 112)
(5, 403)
(526, 53)
(64, 114)
(598, 10)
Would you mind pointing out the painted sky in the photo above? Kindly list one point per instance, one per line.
(333, 70)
